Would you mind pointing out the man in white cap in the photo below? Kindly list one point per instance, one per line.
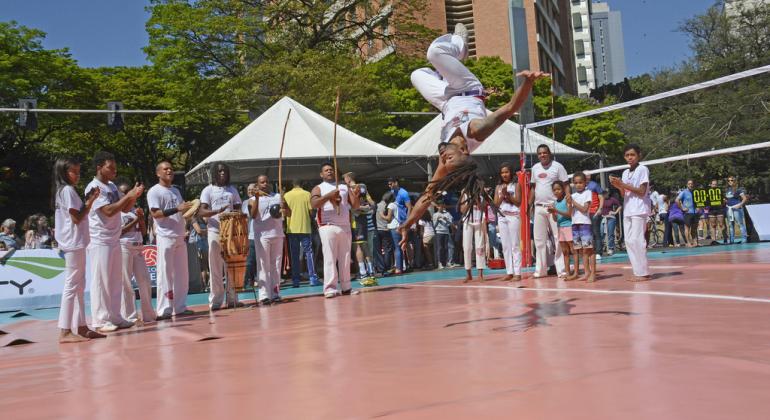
(166, 207)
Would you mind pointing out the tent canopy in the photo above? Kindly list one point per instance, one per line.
(309, 142)
(506, 140)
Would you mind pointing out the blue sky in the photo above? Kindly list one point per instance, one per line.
(111, 32)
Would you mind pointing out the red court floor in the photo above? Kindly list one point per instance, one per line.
(693, 343)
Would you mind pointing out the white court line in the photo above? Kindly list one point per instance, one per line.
(604, 292)
(667, 267)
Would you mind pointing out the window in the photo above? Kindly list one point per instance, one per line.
(577, 22)
(582, 74)
(580, 49)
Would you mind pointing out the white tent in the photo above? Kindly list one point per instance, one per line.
(309, 142)
(506, 140)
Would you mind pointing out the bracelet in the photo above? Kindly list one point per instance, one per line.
(170, 212)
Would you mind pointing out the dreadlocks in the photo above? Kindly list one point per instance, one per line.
(471, 186)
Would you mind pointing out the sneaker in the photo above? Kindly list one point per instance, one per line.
(315, 282)
(462, 31)
(346, 292)
(329, 295)
(265, 302)
(277, 299)
(598, 256)
(610, 252)
(186, 312)
(168, 316)
(440, 266)
(107, 328)
(368, 282)
(537, 275)
(122, 325)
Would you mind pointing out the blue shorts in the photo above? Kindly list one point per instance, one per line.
(582, 236)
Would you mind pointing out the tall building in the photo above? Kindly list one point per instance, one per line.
(609, 53)
(583, 46)
(548, 32)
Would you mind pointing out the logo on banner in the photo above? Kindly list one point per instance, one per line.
(150, 253)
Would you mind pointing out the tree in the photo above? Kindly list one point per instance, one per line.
(55, 80)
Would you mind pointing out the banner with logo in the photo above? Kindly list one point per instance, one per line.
(34, 278)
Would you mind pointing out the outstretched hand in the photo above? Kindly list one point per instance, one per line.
(532, 75)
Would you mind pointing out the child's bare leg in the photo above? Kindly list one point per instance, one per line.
(576, 256)
(590, 264)
(481, 274)
(468, 276)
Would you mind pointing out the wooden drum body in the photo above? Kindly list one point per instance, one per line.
(234, 238)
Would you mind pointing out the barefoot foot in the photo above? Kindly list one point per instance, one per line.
(66, 336)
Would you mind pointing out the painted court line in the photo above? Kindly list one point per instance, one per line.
(605, 292)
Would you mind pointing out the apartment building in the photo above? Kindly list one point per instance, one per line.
(583, 46)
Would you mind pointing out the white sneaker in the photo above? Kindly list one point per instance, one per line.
(440, 266)
(329, 295)
(537, 275)
(462, 31)
(598, 256)
(122, 325)
(108, 327)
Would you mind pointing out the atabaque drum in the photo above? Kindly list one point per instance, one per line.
(234, 238)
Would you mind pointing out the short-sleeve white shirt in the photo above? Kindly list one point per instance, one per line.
(133, 235)
(393, 207)
(265, 225)
(633, 204)
(543, 179)
(163, 198)
(579, 217)
(104, 230)
(507, 207)
(69, 236)
(217, 198)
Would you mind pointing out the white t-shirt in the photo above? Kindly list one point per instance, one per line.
(104, 230)
(662, 206)
(265, 225)
(133, 235)
(543, 179)
(633, 204)
(245, 210)
(70, 236)
(393, 209)
(217, 198)
(427, 228)
(160, 197)
(579, 217)
(327, 214)
(506, 207)
(458, 112)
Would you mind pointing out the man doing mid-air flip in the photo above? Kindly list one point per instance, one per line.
(459, 95)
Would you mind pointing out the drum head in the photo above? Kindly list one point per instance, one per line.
(275, 211)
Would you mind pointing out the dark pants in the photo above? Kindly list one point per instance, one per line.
(383, 251)
(677, 232)
(251, 265)
(416, 241)
(441, 247)
(596, 231)
(303, 240)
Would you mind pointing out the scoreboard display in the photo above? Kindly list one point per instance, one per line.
(707, 197)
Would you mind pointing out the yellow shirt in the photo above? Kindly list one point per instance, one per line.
(298, 201)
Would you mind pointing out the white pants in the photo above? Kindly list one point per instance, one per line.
(106, 284)
(547, 233)
(134, 266)
(269, 253)
(217, 267)
(173, 279)
(72, 312)
(636, 246)
(509, 227)
(335, 245)
(451, 77)
(475, 232)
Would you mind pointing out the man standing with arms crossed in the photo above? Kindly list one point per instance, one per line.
(334, 203)
(104, 250)
(541, 198)
(166, 207)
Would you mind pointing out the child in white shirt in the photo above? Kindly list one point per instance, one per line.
(582, 235)
(635, 186)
